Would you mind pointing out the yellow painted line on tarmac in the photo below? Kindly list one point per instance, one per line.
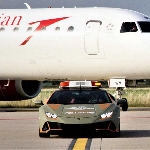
(80, 144)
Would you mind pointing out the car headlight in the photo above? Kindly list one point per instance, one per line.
(107, 115)
(51, 115)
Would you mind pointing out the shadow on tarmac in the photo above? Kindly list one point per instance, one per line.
(100, 134)
(134, 133)
(123, 134)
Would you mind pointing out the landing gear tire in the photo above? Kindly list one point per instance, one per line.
(125, 106)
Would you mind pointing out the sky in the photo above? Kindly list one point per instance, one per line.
(142, 6)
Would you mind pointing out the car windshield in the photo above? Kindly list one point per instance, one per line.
(79, 97)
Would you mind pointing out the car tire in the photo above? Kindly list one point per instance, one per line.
(46, 135)
(117, 134)
(125, 107)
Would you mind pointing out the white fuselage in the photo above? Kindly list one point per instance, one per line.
(73, 44)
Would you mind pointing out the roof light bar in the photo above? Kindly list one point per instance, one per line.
(75, 84)
(64, 84)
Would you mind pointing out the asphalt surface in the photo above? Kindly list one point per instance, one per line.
(19, 130)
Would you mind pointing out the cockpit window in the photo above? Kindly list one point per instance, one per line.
(128, 27)
(145, 26)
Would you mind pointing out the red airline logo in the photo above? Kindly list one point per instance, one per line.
(43, 23)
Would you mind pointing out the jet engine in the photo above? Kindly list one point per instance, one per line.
(11, 90)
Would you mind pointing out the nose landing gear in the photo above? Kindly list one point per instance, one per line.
(119, 84)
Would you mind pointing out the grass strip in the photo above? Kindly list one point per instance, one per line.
(137, 97)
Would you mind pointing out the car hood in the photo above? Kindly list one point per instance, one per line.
(78, 109)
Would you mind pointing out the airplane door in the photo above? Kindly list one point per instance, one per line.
(91, 38)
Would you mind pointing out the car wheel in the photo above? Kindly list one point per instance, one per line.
(117, 134)
(44, 134)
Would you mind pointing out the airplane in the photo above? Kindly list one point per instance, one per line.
(71, 44)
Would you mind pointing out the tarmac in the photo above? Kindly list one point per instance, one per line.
(20, 130)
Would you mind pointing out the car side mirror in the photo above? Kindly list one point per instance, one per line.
(38, 102)
(123, 103)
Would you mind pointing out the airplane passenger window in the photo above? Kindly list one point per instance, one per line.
(16, 29)
(43, 29)
(128, 27)
(145, 26)
(2, 29)
(71, 28)
(29, 29)
(57, 29)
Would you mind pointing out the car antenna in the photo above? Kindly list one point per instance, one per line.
(27, 5)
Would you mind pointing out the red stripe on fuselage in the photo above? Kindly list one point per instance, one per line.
(43, 23)
(24, 42)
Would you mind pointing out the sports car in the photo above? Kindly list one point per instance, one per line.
(80, 106)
